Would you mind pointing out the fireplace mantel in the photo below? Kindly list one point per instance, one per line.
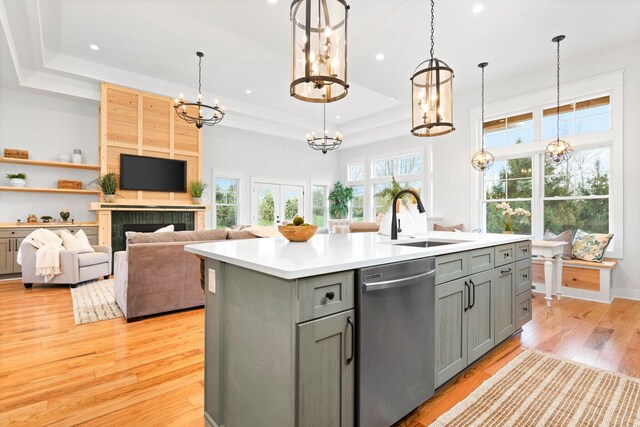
(104, 214)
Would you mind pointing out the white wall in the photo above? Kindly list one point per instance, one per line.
(46, 125)
(255, 155)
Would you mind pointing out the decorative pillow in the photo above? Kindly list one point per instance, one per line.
(438, 227)
(590, 247)
(167, 229)
(78, 243)
(565, 236)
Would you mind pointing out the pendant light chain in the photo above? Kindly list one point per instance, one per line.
(432, 27)
(558, 93)
(200, 75)
(324, 117)
(482, 124)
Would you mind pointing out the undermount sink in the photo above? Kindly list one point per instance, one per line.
(427, 243)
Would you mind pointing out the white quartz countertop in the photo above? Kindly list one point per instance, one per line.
(329, 253)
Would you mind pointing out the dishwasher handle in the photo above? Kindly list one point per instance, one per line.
(405, 281)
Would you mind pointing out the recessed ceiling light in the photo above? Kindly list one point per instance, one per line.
(248, 91)
(272, 1)
(337, 117)
(477, 8)
(379, 56)
(94, 47)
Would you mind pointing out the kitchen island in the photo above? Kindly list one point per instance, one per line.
(280, 332)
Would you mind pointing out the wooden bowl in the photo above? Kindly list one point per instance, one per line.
(297, 233)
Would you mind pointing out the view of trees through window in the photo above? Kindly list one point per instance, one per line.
(226, 202)
(357, 203)
(577, 193)
(319, 205)
(510, 181)
(266, 208)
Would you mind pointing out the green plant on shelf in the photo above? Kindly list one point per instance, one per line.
(196, 188)
(16, 176)
(46, 218)
(107, 183)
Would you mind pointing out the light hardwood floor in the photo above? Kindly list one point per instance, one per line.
(150, 373)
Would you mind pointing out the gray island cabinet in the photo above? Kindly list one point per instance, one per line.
(280, 319)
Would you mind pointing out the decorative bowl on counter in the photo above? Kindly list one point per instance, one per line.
(297, 233)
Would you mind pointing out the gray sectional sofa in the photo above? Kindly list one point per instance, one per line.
(155, 275)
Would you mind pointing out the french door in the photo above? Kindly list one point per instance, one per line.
(274, 204)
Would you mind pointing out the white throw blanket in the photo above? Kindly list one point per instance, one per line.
(48, 255)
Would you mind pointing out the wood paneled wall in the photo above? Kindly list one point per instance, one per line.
(145, 124)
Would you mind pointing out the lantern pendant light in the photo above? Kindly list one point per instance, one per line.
(482, 160)
(324, 143)
(319, 60)
(558, 151)
(431, 95)
(204, 114)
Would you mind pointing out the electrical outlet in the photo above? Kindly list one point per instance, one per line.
(212, 281)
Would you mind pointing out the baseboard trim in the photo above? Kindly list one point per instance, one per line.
(632, 294)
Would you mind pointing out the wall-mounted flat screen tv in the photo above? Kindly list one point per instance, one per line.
(152, 174)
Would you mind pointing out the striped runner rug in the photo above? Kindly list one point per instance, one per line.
(539, 389)
(94, 301)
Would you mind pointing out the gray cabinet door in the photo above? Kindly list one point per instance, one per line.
(451, 329)
(451, 267)
(326, 366)
(17, 268)
(480, 328)
(6, 256)
(480, 260)
(504, 302)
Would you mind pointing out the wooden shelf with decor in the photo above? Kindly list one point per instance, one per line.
(48, 190)
(49, 164)
(47, 224)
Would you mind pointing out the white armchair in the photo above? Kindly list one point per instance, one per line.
(75, 268)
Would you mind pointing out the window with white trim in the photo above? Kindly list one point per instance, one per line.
(356, 207)
(227, 202)
(390, 174)
(319, 205)
(577, 194)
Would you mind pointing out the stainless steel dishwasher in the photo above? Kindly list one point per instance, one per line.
(395, 340)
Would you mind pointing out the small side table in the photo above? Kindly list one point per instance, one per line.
(551, 252)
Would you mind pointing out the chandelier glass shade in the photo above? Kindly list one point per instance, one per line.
(197, 112)
(558, 151)
(432, 95)
(482, 160)
(324, 143)
(319, 60)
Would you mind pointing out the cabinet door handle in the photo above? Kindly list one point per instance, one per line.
(467, 305)
(17, 245)
(526, 309)
(353, 340)
(525, 250)
(506, 255)
(473, 286)
(9, 246)
(503, 272)
(330, 296)
(525, 276)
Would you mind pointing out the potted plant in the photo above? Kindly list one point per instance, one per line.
(508, 213)
(108, 184)
(196, 188)
(339, 199)
(46, 218)
(17, 179)
(64, 214)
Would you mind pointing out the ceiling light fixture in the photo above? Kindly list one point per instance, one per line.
(319, 62)
(482, 160)
(477, 8)
(324, 143)
(432, 95)
(94, 47)
(248, 91)
(196, 112)
(379, 56)
(558, 151)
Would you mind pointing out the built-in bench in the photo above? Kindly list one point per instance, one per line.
(581, 279)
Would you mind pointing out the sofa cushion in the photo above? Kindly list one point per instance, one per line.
(85, 260)
(241, 234)
(590, 247)
(176, 236)
(78, 243)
